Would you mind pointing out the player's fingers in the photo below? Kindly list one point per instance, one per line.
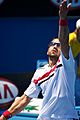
(64, 4)
(69, 5)
(60, 7)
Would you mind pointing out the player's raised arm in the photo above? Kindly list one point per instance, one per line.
(63, 28)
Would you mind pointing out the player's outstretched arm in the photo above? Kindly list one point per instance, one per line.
(17, 106)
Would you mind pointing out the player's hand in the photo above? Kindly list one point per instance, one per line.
(63, 9)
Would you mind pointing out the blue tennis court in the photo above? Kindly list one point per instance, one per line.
(25, 116)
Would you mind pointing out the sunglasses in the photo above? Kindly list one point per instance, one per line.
(54, 43)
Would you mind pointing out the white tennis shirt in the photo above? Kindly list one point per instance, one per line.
(57, 85)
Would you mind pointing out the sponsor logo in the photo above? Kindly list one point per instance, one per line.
(74, 3)
(8, 91)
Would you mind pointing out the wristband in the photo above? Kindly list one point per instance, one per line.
(7, 114)
(63, 22)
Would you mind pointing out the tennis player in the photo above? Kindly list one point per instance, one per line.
(56, 79)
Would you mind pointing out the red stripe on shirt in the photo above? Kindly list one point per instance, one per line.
(45, 75)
